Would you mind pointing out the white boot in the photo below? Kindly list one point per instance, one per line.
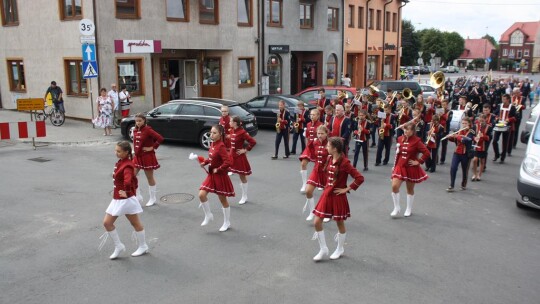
(410, 200)
(208, 216)
(226, 219)
(118, 246)
(319, 235)
(397, 209)
(340, 239)
(152, 201)
(141, 240)
(303, 173)
(310, 202)
(139, 195)
(244, 198)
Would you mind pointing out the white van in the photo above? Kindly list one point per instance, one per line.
(528, 183)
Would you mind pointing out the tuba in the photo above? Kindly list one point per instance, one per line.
(437, 81)
(407, 94)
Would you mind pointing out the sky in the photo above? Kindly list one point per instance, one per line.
(471, 18)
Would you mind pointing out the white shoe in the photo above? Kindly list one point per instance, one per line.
(229, 173)
(410, 200)
(143, 247)
(139, 195)
(397, 208)
(309, 206)
(340, 239)
(208, 216)
(226, 221)
(152, 200)
(323, 251)
(303, 188)
(244, 198)
(303, 173)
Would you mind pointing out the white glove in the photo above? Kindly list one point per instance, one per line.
(192, 156)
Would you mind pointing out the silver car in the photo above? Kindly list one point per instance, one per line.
(532, 118)
(528, 183)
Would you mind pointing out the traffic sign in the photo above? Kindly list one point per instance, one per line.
(88, 39)
(89, 52)
(488, 59)
(86, 27)
(90, 69)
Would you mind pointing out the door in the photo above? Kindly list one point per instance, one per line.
(191, 84)
(309, 74)
(294, 74)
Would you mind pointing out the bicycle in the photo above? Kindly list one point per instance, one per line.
(56, 116)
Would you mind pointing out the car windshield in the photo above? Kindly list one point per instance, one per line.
(536, 135)
(237, 111)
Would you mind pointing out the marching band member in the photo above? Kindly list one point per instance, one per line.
(217, 181)
(517, 102)
(225, 122)
(145, 142)
(340, 100)
(300, 120)
(376, 122)
(322, 102)
(385, 130)
(340, 126)
(506, 114)
(308, 153)
(329, 114)
(463, 139)
(124, 202)
(361, 135)
(282, 129)
(355, 104)
(240, 164)
(434, 135)
(446, 118)
(316, 178)
(463, 106)
(420, 123)
(481, 140)
(407, 167)
(491, 120)
(333, 202)
(403, 115)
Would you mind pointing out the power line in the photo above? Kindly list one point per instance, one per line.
(478, 3)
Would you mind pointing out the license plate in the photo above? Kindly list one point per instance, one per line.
(249, 125)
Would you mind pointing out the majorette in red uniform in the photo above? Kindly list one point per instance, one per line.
(225, 122)
(316, 178)
(307, 155)
(333, 202)
(240, 164)
(145, 142)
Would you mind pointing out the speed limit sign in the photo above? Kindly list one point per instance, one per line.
(86, 27)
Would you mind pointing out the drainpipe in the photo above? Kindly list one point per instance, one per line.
(366, 48)
(384, 36)
(398, 36)
(96, 35)
(261, 42)
(343, 39)
(261, 67)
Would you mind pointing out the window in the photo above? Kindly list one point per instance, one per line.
(525, 53)
(130, 74)
(394, 22)
(76, 85)
(505, 52)
(245, 72)
(370, 19)
(519, 53)
(257, 102)
(333, 14)
(70, 9)
(273, 69)
(372, 67)
(169, 109)
(516, 39)
(211, 71)
(360, 17)
(273, 14)
(128, 9)
(16, 75)
(210, 111)
(387, 22)
(178, 10)
(388, 66)
(331, 70)
(306, 15)
(10, 15)
(273, 102)
(379, 20)
(351, 16)
(209, 11)
(245, 13)
(194, 110)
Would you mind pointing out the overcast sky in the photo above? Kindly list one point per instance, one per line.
(471, 17)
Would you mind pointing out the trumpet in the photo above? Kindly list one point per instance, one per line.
(430, 134)
(454, 133)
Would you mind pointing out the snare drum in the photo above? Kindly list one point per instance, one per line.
(501, 126)
(457, 116)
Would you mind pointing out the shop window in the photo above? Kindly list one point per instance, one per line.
(360, 17)
(306, 15)
(211, 71)
(387, 22)
(128, 9)
(394, 22)
(178, 10)
(16, 75)
(379, 12)
(70, 9)
(273, 69)
(10, 14)
(331, 70)
(274, 12)
(245, 72)
(209, 11)
(245, 13)
(525, 53)
(351, 16)
(372, 67)
(130, 74)
(333, 17)
(76, 85)
(388, 67)
(370, 19)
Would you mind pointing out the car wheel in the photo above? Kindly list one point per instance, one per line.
(204, 139)
(130, 130)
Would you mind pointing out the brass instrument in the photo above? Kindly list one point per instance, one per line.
(407, 94)
(430, 134)
(474, 107)
(437, 81)
(518, 108)
(373, 93)
(381, 131)
(454, 133)
(278, 123)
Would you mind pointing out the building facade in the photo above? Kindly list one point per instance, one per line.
(474, 49)
(521, 44)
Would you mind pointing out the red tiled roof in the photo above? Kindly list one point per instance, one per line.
(477, 48)
(528, 28)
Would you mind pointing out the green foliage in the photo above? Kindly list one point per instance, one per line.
(478, 63)
(492, 40)
(455, 44)
(410, 43)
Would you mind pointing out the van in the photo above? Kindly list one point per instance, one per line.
(397, 85)
(528, 183)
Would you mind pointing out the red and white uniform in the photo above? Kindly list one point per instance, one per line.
(336, 127)
(143, 137)
(225, 122)
(504, 114)
(482, 143)
(219, 182)
(320, 153)
(124, 178)
(429, 113)
(311, 135)
(240, 164)
(461, 147)
(408, 148)
(327, 120)
(336, 206)
(301, 120)
(444, 119)
(405, 117)
(364, 134)
(435, 131)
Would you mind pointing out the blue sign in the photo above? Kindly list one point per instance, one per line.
(488, 59)
(89, 52)
(90, 69)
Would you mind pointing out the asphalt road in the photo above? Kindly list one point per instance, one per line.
(470, 246)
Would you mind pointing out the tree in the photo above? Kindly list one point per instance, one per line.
(432, 41)
(410, 43)
(478, 63)
(492, 40)
(455, 44)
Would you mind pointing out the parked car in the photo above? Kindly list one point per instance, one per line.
(308, 95)
(451, 69)
(397, 85)
(190, 120)
(416, 70)
(264, 107)
(424, 70)
(529, 124)
(427, 91)
(528, 183)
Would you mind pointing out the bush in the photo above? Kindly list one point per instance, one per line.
(470, 67)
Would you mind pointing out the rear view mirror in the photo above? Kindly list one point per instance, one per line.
(525, 137)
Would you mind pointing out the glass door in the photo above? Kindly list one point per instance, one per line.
(190, 79)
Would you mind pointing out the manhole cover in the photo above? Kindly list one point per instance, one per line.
(177, 198)
(39, 159)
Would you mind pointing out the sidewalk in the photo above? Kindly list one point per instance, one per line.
(72, 132)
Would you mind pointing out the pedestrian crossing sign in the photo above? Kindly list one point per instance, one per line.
(90, 69)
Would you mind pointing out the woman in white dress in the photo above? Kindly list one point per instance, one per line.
(105, 108)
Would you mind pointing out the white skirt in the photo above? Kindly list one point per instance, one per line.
(119, 207)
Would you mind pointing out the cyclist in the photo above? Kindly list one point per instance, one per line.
(56, 94)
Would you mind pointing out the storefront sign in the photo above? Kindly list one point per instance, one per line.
(137, 46)
(278, 49)
(389, 47)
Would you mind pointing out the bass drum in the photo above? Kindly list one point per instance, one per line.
(455, 123)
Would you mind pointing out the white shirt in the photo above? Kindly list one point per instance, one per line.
(172, 83)
(346, 82)
(114, 96)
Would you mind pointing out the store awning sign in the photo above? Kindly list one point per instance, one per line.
(137, 46)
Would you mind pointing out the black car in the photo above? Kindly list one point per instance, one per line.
(265, 106)
(398, 85)
(190, 120)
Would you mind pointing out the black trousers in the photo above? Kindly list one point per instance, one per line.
(431, 162)
(516, 133)
(283, 134)
(364, 147)
(297, 136)
(386, 144)
(374, 133)
(505, 144)
(444, 145)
